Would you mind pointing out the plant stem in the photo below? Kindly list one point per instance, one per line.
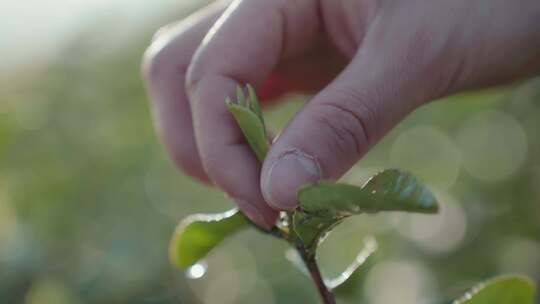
(326, 295)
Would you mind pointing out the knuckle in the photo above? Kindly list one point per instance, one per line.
(167, 54)
(148, 64)
(435, 62)
(195, 73)
(164, 30)
(348, 120)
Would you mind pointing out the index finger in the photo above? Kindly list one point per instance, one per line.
(244, 45)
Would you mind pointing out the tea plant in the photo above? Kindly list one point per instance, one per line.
(323, 206)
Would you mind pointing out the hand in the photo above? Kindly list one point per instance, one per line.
(374, 61)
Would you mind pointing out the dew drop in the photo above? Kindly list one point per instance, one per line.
(196, 271)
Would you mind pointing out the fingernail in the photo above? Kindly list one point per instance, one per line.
(254, 214)
(292, 169)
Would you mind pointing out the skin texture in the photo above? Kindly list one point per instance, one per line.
(371, 62)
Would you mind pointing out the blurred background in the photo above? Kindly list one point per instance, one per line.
(88, 198)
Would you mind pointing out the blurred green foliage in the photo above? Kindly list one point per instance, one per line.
(88, 199)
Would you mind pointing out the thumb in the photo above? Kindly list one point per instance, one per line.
(338, 126)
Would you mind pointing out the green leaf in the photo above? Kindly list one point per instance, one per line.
(311, 229)
(324, 205)
(509, 289)
(251, 122)
(197, 234)
(240, 99)
(390, 190)
(253, 103)
(403, 187)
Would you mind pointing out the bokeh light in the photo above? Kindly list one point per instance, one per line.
(428, 153)
(494, 145)
(404, 282)
(440, 233)
(196, 271)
